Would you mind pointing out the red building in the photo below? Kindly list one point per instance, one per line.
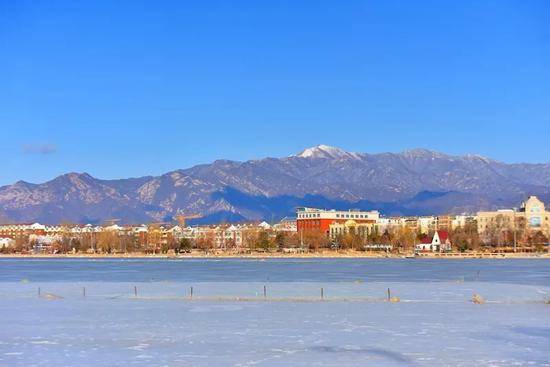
(320, 219)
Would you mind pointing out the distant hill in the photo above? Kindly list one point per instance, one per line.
(416, 181)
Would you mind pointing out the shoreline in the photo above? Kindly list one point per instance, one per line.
(260, 255)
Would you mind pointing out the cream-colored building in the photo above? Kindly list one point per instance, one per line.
(351, 226)
(536, 216)
(531, 216)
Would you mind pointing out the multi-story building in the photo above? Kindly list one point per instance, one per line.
(286, 225)
(21, 230)
(444, 222)
(531, 216)
(462, 221)
(6, 242)
(320, 219)
(427, 224)
(451, 222)
(389, 223)
(337, 229)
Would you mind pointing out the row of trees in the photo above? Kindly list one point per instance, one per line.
(402, 239)
(110, 242)
(465, 238)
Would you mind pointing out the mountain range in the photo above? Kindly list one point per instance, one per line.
(413, 182)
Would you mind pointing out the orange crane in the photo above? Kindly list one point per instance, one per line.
(181, 218)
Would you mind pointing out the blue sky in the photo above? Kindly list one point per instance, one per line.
(130, 88)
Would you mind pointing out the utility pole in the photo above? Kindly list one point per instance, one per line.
(515, 234)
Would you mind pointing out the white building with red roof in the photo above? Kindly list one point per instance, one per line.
(439, 242)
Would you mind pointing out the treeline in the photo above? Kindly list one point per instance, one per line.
(402, 240)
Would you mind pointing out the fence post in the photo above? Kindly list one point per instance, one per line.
(135, 291)
(39, 291)
(84, 291)
(265, 292)
(322, 293)
(191, 293)
(389, 294)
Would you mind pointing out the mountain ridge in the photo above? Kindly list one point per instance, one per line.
(270, 188)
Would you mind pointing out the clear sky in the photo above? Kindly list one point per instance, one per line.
(130, 88)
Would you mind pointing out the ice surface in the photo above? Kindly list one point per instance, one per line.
(229, 323)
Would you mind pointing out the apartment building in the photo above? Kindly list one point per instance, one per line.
(321, 219)
(531, 216)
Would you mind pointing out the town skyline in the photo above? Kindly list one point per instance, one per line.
(312, 230)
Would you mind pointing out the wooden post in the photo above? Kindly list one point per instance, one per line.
(389, 294)
(191, 293)
(322, 293)
(265, 292)
(135, 291)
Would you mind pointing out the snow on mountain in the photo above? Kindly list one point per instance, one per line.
(326, 152)
(416, 181)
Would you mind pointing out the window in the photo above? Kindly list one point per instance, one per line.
(535, 221)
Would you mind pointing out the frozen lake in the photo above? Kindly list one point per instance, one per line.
(140, 312)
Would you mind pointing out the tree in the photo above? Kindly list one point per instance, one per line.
(465, 238)
(406, 238)
(538, 240)
(23, 244)
(184, 245)
(206, 241)
(280, 240)
(263, 241)
(315, 239)
(230, 244)
(351, 240)
(155, 238)
(374, 236)
(107, 241)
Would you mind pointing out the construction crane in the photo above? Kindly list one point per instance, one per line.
(181, 218)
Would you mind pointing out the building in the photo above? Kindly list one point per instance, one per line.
(462, 221)
(389, 223)
(286, 225)
(535, 214)
(6, 242)
(427, 224)
(311, 219)
(439, 242)
(531, 216)
(14, 231)
(451, 222)
(338, 229)
(444, 222)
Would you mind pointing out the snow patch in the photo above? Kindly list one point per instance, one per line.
(326, 152)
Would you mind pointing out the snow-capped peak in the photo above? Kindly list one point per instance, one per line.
(325, 151)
